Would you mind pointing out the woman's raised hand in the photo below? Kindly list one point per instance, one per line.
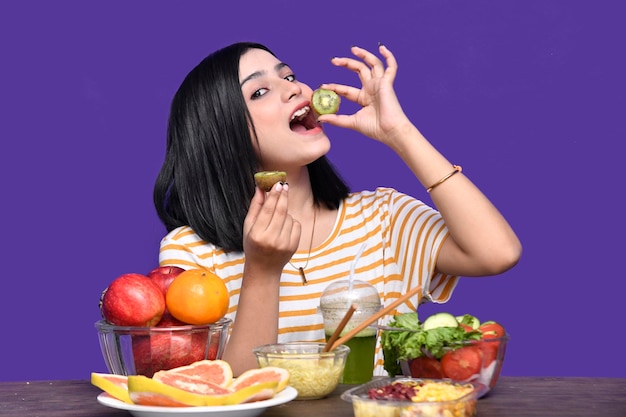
(381, 116)
(270, 234)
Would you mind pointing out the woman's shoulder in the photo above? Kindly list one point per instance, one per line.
(381, 194)
(183, 247)
(181, 235)
(383, 201)
(367, 204)
(184, 238)
(377, 193)
(376, 197)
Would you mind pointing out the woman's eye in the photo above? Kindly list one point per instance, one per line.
(258, 93)
(262, 91)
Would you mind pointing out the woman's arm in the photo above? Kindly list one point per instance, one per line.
(481, 241)
(271, 237)
(256, 322)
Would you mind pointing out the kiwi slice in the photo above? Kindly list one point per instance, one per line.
(266, 179)
(325, 101)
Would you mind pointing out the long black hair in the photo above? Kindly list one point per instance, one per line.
(207, 179)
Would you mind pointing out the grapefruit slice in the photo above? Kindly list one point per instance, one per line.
(114, 385)
(148, 391)
(256, 392)
(190, 391)
(190, 383)
(216, 371)
(259, 375)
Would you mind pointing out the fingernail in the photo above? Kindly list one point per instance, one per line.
(286, 186)
(279, 186)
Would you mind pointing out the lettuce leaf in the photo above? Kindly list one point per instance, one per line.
(415, 342)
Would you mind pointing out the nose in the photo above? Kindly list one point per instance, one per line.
(292, 90)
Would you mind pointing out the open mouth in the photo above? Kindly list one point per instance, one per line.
(302, 120)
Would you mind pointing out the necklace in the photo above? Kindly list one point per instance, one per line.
(301, 268)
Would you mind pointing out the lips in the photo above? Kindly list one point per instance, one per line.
(303, 120)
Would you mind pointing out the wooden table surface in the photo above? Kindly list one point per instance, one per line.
(513, 396)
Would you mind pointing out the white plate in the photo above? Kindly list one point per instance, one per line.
(242, 410)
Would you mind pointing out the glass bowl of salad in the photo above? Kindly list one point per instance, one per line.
(444, 346)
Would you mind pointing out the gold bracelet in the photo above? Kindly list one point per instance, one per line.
(457, 169)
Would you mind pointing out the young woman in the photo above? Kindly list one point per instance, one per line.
(242, 110)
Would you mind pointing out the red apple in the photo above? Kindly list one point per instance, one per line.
(133, 300)
(168, 320)
(162, 351)
(164, 275)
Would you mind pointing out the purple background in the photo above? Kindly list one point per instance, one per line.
(529, 97)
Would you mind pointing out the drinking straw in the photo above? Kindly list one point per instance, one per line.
(353, 266)
(375, 317)
(339, 328)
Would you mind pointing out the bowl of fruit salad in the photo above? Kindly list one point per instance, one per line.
(444, 346)
(414, 397)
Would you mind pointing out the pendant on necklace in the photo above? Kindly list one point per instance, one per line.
(302, 275)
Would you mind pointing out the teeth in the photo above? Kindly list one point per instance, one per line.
(299, 114)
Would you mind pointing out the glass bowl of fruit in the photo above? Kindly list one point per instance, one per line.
(132, 350)
(165, 319)
(444, 346)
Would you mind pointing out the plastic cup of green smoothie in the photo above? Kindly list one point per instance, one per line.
(334, 303)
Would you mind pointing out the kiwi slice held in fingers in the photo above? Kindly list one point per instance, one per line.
(266, 179)
(325, 101)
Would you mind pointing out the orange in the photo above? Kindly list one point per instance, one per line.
(197, 296)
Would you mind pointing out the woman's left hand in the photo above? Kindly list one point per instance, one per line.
(381, 117)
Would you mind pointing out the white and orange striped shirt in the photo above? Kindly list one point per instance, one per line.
(402, 235)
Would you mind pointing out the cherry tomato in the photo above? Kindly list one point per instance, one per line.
(491, 330)
(490, 350)
(463, 363)
(425, 367)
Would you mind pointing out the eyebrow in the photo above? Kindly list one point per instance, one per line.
(258, 74)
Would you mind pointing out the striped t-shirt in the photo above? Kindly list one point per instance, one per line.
(402, 236)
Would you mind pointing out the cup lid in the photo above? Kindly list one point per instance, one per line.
(341, 294)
